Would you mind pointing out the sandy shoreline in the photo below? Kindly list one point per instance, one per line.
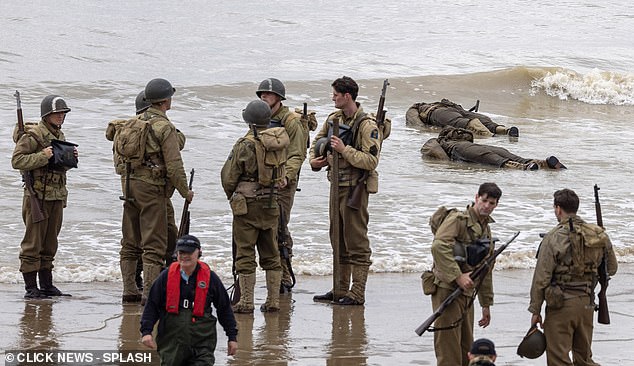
(304, 332)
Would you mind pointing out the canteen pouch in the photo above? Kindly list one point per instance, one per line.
(238, 204)
(428, 279)
(554, 296)
(372, 183)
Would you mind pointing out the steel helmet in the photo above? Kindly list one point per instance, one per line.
(158, 90)
(272, 85)
(141, 104)
(53, 104)
(533, 345)
(257, 113)
(322, 146)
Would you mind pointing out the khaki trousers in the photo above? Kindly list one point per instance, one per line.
(145, 223)
(570, 329)
(257, 229)
(451, 345)
(354, 245)
(39, 244)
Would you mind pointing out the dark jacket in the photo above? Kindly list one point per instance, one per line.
(216, 295)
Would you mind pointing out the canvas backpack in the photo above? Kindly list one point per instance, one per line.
(271, 155)
(130, 140)
(439, 216)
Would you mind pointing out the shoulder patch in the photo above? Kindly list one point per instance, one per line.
(374, 134)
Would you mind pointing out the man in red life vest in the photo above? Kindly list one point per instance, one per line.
(187, 327)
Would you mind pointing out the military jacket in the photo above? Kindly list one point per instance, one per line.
(460, 228)
(28, 156)
(241, 165)
(362, 154)
(298, 135)
(555, 262)
(166, 164)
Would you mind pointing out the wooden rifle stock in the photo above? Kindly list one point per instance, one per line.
(354, 199)
(604, 313)
(37, 212)
(336, 215)
(477, 276)
(183, 228)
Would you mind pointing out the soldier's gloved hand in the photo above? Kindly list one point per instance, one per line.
(190, 196)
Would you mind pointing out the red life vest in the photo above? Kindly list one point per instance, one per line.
(174, 288)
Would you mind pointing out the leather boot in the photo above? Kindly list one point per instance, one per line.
(247, 287)
(30, 285)
(356, 295)
(345, 271)
(273, 280)
(554, 163)
(150, 273)
(129, 271)
(46, 283)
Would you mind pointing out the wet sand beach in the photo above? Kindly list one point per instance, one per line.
(307, 333)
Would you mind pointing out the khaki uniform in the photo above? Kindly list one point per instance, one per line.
(469, 152)
(145, 218)
(569, 327)
(362, 155)
(258, 227)
(298, 135)
(446, 113)
(458, 229)
(39, 245)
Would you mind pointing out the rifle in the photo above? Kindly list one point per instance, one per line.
(334, 201)
(281, 242)
(235, 293)
(604, 313)
(475, 107)
(183, 228)
(37, 210)
(354, 199)
(477, 276)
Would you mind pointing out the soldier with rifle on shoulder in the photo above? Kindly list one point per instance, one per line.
(572, 258)
(43, 155)
(356, 150)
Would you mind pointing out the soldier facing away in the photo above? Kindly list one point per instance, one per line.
(273, 92)
(142, 105)
(151, 183)
(251, 177)
(565, 277)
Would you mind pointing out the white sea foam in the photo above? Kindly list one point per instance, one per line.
(594, 87)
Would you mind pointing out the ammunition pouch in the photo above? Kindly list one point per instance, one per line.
(372, 182)
(554, 297)
(238, 203)
(429, 283)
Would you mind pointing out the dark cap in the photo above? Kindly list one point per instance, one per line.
(483, 346)
(187, 243)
